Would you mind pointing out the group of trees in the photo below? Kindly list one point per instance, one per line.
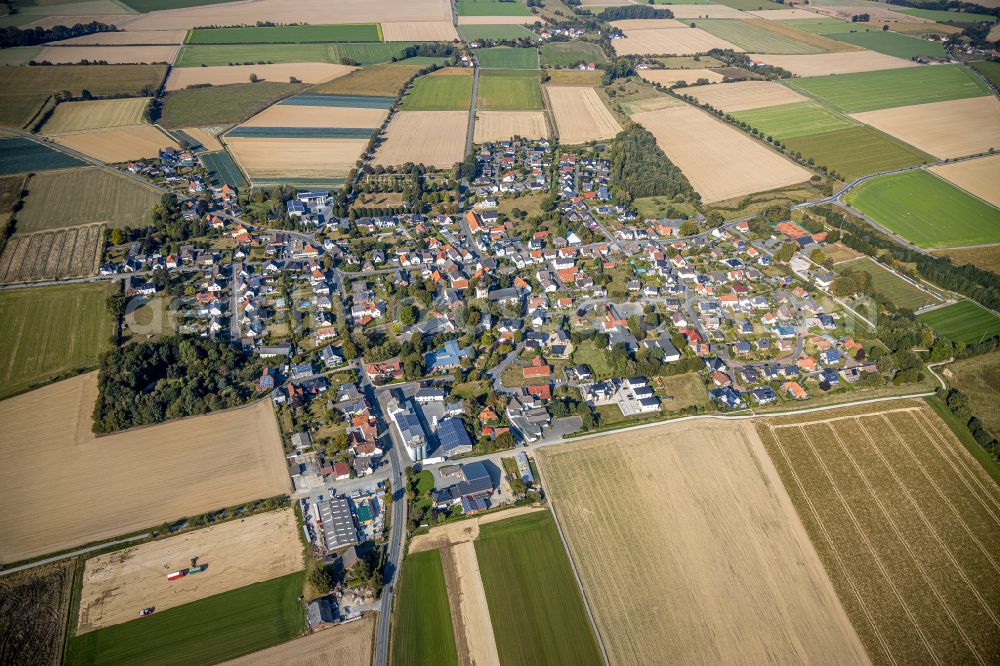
(169, 221)
(634, 12)
(743, 61)
(11, 36)
(959, 405)
(640, 168)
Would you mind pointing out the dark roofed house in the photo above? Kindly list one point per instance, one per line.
(453, 437)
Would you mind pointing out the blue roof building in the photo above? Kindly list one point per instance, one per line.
(453, 437)
(446, 358)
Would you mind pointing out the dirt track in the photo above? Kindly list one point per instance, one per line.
(470, 613)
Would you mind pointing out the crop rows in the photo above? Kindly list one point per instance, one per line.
(72, 252)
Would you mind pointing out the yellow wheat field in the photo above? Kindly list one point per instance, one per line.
(669, 41)
(503, 125)
(113, 55)
(307, 72)
(96, 114)
(419, 31)
(433, 138)
(978, 177)
(785, 14)
(743, 95)
(296, 158)
(823, 64)
(580, 115)
(118, 145)
(294, 115)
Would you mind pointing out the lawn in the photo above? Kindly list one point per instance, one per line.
(490, 8)
(48, 332)
(964, 321)
(786, 121)
(287, 34)
(222, 169)
(487, 32)
(885, 282)
(869, 91)
(857, 151)
(587, 353)
(509, 90)
(942, 16)
(422, 633)
(19, 155)
(450, 92)
(535, 603)
(991, 70)
(891, 43)
(570, 54)
(927, 210)
(252, 54)
(755, 39)
(505, 57)
(222, 105)
(207, 631)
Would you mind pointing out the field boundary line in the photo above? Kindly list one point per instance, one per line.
(832, 419)
(833, 546)
(967, 462)
(864, 537)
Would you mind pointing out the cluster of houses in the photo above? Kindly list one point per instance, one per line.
(510, 168)
(427, 423)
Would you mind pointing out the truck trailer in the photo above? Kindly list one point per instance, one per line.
(177, 574)
(197, 569)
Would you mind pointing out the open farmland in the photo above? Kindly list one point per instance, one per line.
(307, 72)
(444, 90)
(720, 162)
(215, 55)
(978, 177)
(223, 169)
(196, 135)
(509, 90)
(267, 158)
(926, 210)
(294, 115)
(47, 332)
(96, 114)
(222, 105)
(580, 115)
(422, 632)
(870, 91)
(964, 321)
(986, 257)
(432, 138)
(681, 500)
(669, 41)
(475, 639)
(206, 631)
(743, 95)
(978, 377)
(943, 129)
(892, 43)
(71, 252)
(485, 32)
(118, 483)
(505, 57)
(756, 36)
(130, 38)
(347, 644)
(906, 523)
(118, 145)
(83, 196)
(19, 155)
(902, 293)
(713, 11)
(668, 77)
(368, 54)
(286, 34)
(419, 31)
(568, 54)
(494, 126)
(236, 553)
(857, 151)
(34, 606)
(490, 8)
(112, 55)
(377, 80)
(788, 121)
(824, 64)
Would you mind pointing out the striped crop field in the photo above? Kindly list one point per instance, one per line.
(222, 169)
(786, 121)
(287, 34)
(353, 101)
(302, 132)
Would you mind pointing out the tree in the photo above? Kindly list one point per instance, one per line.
(322, 578)
(505, 441)
(786, 252)
(117, 237)
(254, 78)
(408, 315)
(688, 228)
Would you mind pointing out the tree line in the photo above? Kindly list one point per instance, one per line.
(11, 36)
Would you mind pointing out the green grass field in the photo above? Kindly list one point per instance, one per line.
(942, 16)
(568, 54)
(222, 169)
(490, 8)
(440, 93)
(422, 633)
(964, 321)
(252, 54)
(857, 151)
(509, 90)
(787, 121)
(222, 105)
(19, 155)
(868, 91)
(48, 332)
(991, 70)
(755, 39)
(207, 631)
(288, 34)
(891, 43)
(885, 282)
(481, 32)
(505, 57)
(821, 26)
(374, 80)
(370, 54)
(927, 211)
(535, 603)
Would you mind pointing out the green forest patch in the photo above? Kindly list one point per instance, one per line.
(509, 90)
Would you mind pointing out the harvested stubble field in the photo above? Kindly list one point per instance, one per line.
(986, 257)
(124, 482)
(670, 41)
(824, 64)
(34, 606)
(756, 35)
(130, 38)
(265, 158)
(375, 80)
(978, 377)
(112, 55)
(719, 568)
(907, 524)
(432, 138)
(307, 72)
(237, 553)
(347, 644)
(504, 125)
(978, 177)
(509, 90)
(96, 114)
(419, 31)
(668, 77)
(783, 14)
(293, 115)
(118, 145)
(580, 115)
(286, 34)
(84, 196)
(720, 161)
(944, 129)
(50, 255)
(743, 95)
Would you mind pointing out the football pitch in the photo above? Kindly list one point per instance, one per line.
(964, 321)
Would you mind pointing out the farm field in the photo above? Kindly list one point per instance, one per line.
(207, 140)
(509, 90)
(505, 57)
(977, 177)
(34, 613)
(568, 54)
(368, 54)
(264, 159)
(670, 41)
(287, 34)
(375, 80)
(906, 523)
(944, 16)
(237, 553)
(222, 104)
(84, 196)
(892, 43)
(822, 42)
(19, 55)
(212, 55)
(207, 631)
(871, 91)
(580, 115)
(787, 121)
(68, 252)
(223, 169)
(490, 8)
(821, 25)
(293, 115)
(824, 64)
(433, 138)
(48, 332)
(23, 87)
(573, 77)
(943, 129)
(161, 5)
(492, 126)
(680, 500)
(535, 604)
(130, 38)
(422, 631)
(927, 210)
(668, 77)
(783, 14)
(10, 191)
(118, 145)
(112, 55)
(347, 644)
(19, 155)
(448, 91)
(720, 162)
(96, 114)
(307, 72)
(857, 151)
(979, 379)
(964, 321)
(708, 10)
(896, 289)
(484, 32)
(743, 95)
(756, 38)
(496, 20)
(986, 257)
(991, 70)
(314, 98)
(140, 485)
(475, 639)
(419, 31)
